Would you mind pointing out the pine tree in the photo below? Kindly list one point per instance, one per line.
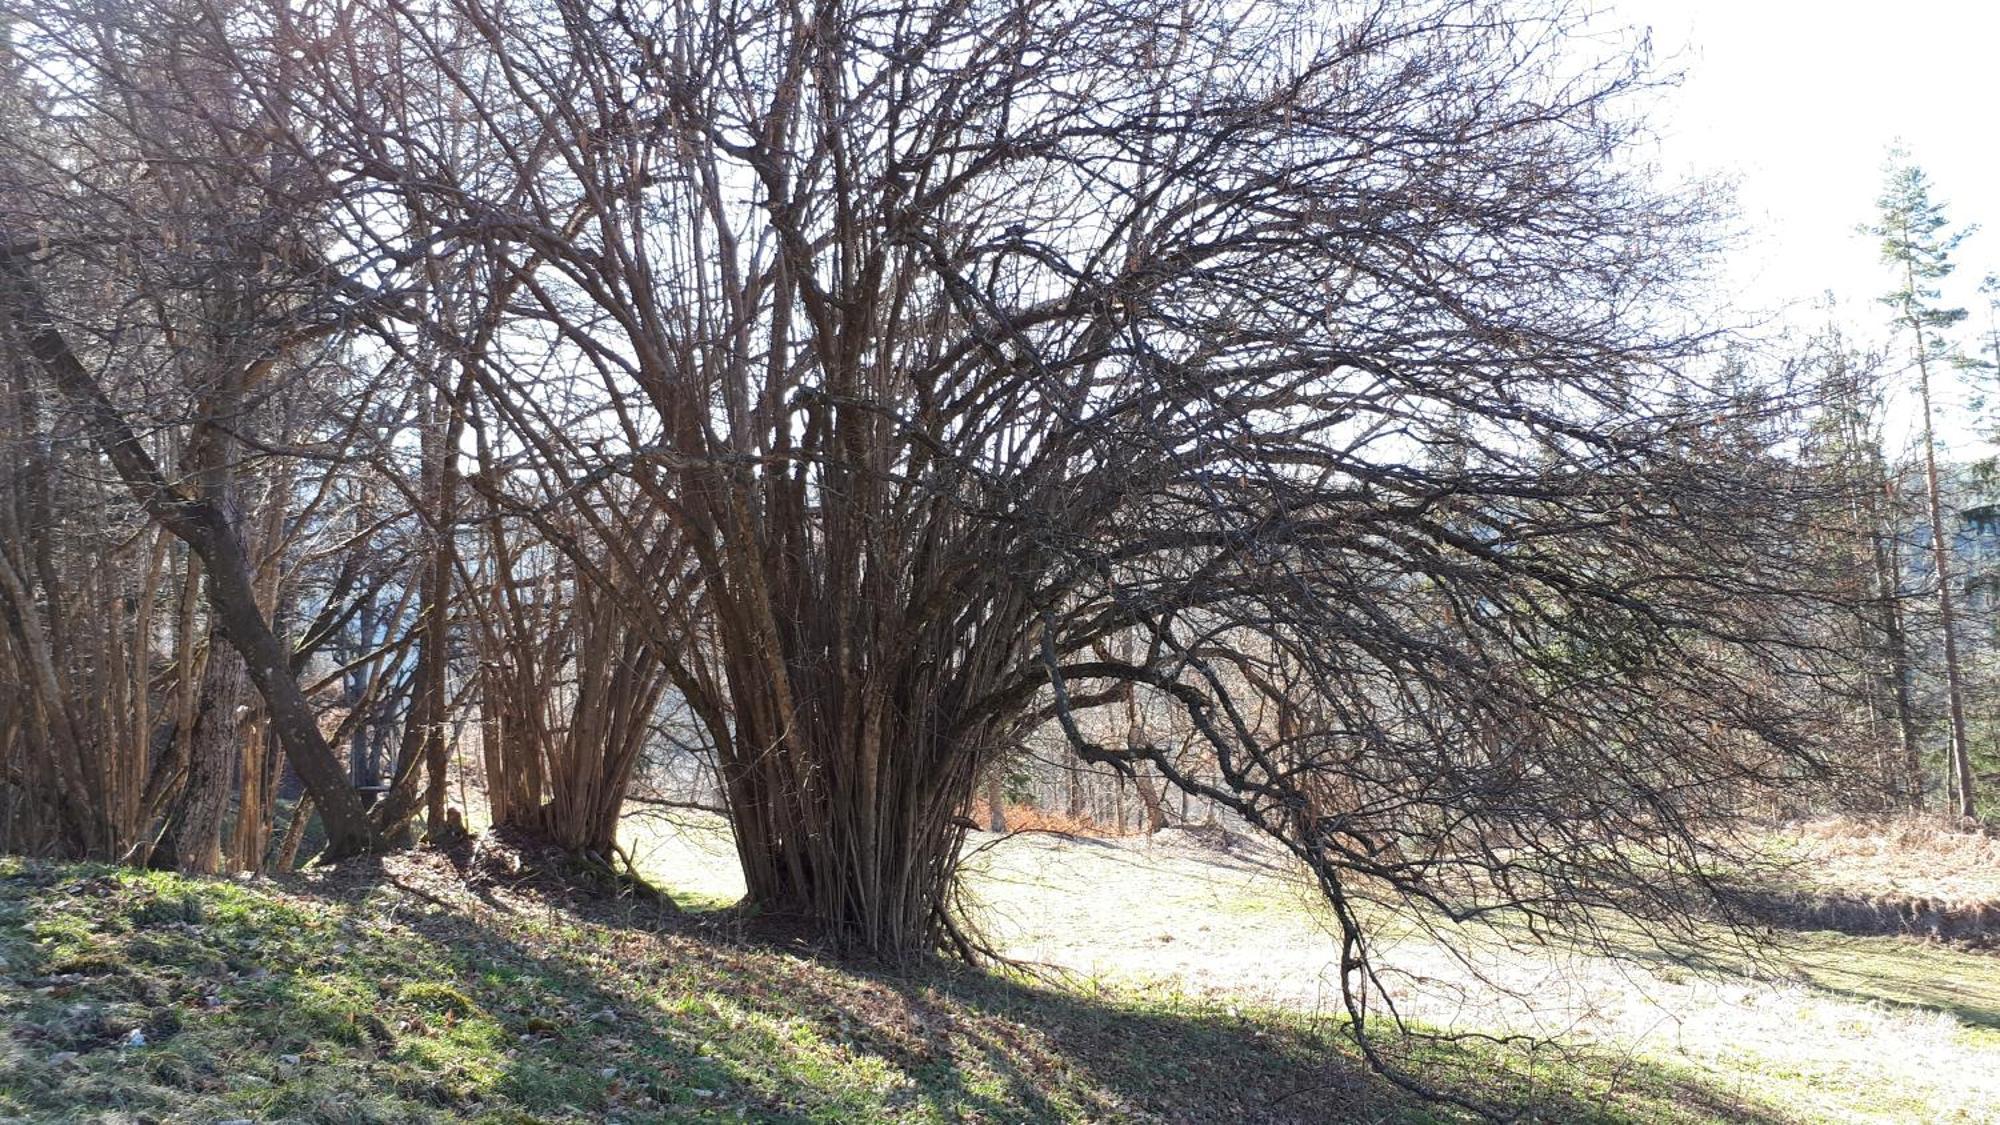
(1916, 244)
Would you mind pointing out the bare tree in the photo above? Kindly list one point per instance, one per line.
(883, 384)
(947, 356)
(159, 245)
(1865, 551)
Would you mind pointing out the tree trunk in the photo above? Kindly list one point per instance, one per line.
(1875, 488)
(864, 859)
(206, 531)
(262, 771)
(424, 755)
(255, 810)
(996, 808)
(498, 808)
(1135, 740)
(1961, 748)
(217, 742)
(1149, 799)
(52, 721)
(1896, 640)
(295, 833)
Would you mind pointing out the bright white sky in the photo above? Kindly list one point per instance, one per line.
(1798, 102)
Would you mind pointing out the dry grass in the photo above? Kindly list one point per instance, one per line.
(1028, 818)
(1918, 857)
(1836, 1028)
(1832, 1027)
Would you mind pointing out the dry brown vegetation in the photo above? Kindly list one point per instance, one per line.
(1905, 876)
(1030, 818)
(1917, 856)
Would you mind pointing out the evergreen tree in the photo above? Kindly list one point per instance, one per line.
(1917, 244)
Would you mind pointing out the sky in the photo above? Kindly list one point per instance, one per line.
(1799, 102)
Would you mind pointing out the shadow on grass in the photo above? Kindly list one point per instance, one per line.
(1862, 964)
(1902, 973)
(1860, 915)
(364, 998)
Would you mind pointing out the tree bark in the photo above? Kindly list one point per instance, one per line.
(197, 522)
(212, 763)
(1896, 639)
(1149, 797)
(1961, 748)
(996, 809)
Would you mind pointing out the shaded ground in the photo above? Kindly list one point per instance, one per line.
(1194, 987)
(1831, 1027)
(397, 994)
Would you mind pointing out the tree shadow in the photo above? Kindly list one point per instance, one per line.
(1903, 973)
(770, 1027)
(1868, 963)
(376, 995)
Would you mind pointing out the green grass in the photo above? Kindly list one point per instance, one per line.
(1824, 1026)
(403, 997)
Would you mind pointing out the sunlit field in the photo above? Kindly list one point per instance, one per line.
(1818, 1025)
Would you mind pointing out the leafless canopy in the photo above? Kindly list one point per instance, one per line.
(894, 368)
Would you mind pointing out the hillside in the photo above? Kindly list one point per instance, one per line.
(402, 994)
(1190, 987)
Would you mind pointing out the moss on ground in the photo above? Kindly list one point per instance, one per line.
(398, 996)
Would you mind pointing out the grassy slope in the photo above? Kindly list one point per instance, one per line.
(397, 996)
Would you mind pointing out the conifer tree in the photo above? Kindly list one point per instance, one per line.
(1917, 242)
